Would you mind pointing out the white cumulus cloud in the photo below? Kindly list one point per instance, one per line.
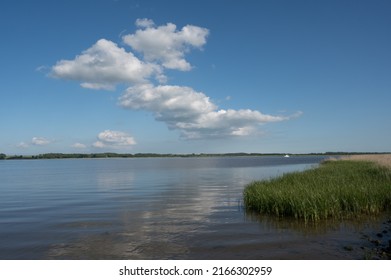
(144, 22)
(171, 104)
(192, 112)
(226, 123)
(114, 139)
(40, 141)
(104, 65)
(79, 146)
(165, 44)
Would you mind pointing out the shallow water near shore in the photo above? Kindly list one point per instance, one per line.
(159, 208)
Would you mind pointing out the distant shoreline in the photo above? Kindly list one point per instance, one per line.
(157, 155)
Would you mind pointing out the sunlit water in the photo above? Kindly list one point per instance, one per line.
(151, 208)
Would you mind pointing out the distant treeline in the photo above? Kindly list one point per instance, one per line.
(145, 155)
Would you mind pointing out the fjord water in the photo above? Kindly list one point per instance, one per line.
(145, 208)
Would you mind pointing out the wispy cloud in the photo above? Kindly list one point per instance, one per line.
(79, 146)
(22, 145)
(35, 141)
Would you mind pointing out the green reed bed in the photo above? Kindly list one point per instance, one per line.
(334, 190)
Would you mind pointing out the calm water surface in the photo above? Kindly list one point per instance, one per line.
(152, 208)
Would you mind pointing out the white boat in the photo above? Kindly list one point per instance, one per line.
(286, 156)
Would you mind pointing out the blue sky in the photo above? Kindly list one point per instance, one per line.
(195, 76)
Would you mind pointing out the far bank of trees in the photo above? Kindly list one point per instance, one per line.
(145, 155)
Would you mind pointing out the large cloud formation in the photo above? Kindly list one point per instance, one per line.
(164, 44)
(104, 65)
(192, 112)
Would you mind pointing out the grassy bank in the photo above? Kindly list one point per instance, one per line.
(335, 190)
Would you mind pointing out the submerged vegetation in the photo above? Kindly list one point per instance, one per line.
(335, 190)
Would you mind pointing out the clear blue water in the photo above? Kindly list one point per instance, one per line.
(143, 208)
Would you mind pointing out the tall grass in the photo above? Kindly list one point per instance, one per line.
(335, 190)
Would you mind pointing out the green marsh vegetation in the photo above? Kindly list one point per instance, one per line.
(338, 189)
